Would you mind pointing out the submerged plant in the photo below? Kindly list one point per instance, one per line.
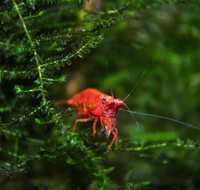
(41, 42)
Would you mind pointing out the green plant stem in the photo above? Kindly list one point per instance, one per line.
(36, 56)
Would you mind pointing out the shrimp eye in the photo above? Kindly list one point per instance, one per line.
(103, 99)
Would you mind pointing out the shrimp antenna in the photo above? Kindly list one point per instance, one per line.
(133, 116)
(111, 92)
(138, 81)
(180, 123)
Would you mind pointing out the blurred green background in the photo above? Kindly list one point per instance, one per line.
(156, 53)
